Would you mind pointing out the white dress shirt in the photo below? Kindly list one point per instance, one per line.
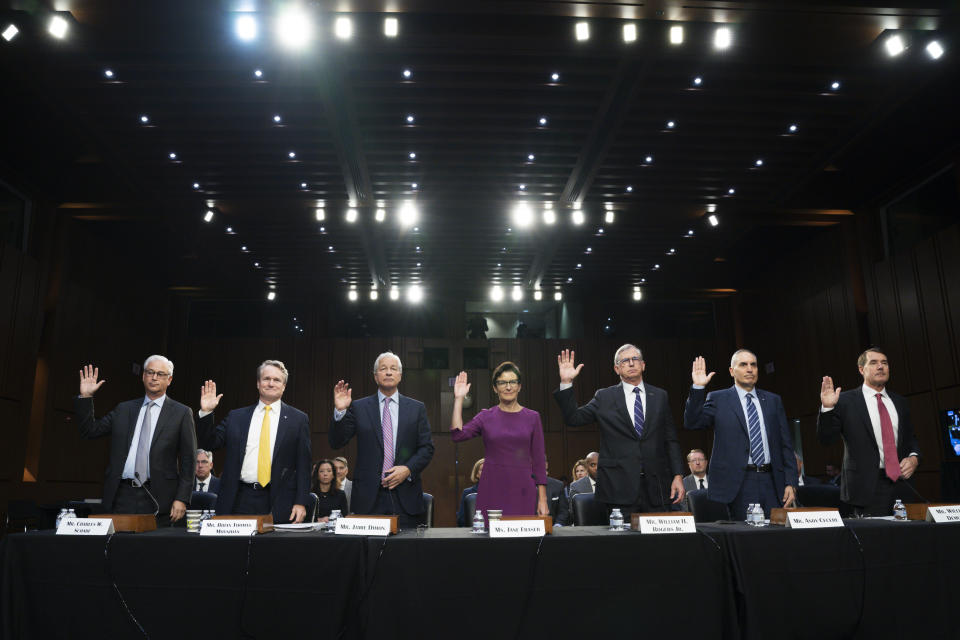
(129, 467)
(206, 482)
(763, 427)
(248, 470)
(697, 480)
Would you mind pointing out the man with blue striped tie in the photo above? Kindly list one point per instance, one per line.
(752, 456)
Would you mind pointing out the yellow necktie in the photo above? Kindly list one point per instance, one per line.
(263, 456)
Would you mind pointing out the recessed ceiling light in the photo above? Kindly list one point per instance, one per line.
(523, 214)
(689, 232)
(277, 118)
(629, 189)
(11, 32)
(271, 295)
(530, 157)
(543, 121)
(407, 73)
(549, 216)
(496, 293)
(894, 45)
(373, 293)
(246, 27)
(414, 186)
(934, 50)
(676, 35)
(582, 31)
(294, 28)
(408, 214)
(257, 73)
(608, 218)
(558, 296)
(229, 229)
(394, 292)
(321, 214)
(517, 294)
(208, 216)
(196, 185)
(537, 294)
(555, 76)
(711, 207)
(343, 27)
(412, 155)
(713, 220)
(722, 38)
(351, 215)
(656, 266)
(648, 159)
(835, 85)
(381, 215)
(352, 295)
(697, 81)
(391, 27)
(731, 191)
(588, 250)
(58, 27)
(579, 265)
(758, 162)
(577, 217)
(172, 155)
(291, 154)
(144, 119)
(523, 187)
(303, 185)
(637, 294)
(630, 32)
(410, 118)
(792, 128)
(108, 73)
(414, 293)
(244, 248)
(570, 279)
(671, 252)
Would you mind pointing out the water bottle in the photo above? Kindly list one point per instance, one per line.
(616, 520)
(749, 516)
(478, 521)
(758, 516)
(71, 514)
(899, 511)
(61, 516)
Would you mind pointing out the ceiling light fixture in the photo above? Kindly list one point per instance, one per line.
(630, 32)
(676, 35)
(934, 49)
(391, 27)
(582, 31)
(894, 45)
(343, 28)
(10, 32)
(722, 38)
(245, 27)
(58, 27)
(294, 28)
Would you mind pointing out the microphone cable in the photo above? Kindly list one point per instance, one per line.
(113, 581)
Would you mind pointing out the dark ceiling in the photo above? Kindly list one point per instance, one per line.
(480, 80)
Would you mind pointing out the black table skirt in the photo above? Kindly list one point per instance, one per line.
(869, 579)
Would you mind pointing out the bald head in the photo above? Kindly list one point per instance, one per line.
(592, 458)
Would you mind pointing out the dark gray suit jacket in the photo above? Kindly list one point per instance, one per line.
(583, 485)
(173, 447)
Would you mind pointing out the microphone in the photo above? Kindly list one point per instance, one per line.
(144, 487)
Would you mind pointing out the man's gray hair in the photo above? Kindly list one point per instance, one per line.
(616, 356)
(273, 363)
(209, 454)
(166, 361)
(733, 358)
(376, 363)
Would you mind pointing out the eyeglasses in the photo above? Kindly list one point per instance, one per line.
(507, 383)
(633, 359)
(150, 373)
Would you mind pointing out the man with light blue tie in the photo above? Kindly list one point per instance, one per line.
(752, 456)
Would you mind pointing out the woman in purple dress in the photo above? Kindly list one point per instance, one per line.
(514, 471)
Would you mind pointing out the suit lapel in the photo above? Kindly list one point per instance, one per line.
(373, 411)
(860, 402)
(650, 411)
(134, 415)
(244, 427)
(162, 420)
(282, 430)
(738, 410)
(620, 407)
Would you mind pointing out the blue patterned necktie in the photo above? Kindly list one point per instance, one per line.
(638, 412)
(756, 439)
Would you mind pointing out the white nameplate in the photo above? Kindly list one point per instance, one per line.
(85, 527)
(245, 527)
(667, 524)
(814, 519)
(946, 513)
(517, 529)
(363, 527)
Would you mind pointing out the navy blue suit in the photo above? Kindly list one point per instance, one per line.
(290, 467)
(723, 411)
(414, 449)
(212, 484)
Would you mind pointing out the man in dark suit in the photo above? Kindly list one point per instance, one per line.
(880, 448)
(152, 444)
(640, 466)
(393, 444)
(752, 456)
(268, 450)
(556, 499)
(697, 462)
(205, 481)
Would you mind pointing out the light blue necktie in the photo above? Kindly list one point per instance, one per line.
(756, 439)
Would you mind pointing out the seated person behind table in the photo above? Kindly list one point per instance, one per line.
(329, 494)
(475, 479)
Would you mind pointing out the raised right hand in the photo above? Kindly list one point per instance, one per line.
(828, 395)
(699, 374)
(208, 396)
(88, 381)
(565, 362)
(461, 387)
(342, 396)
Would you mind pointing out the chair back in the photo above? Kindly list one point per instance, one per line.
(822, 495)
(428, 508)
(470, 508)
(312, 502)
(587, 512)
(203, 500)
(705, 509)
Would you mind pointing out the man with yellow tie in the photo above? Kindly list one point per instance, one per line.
(267, 468)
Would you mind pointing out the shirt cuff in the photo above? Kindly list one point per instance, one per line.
(565, 385)
(699, 386)
(825, 409)
(204, 414)
(338, 415)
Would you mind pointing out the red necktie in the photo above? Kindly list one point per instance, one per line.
(890, 462)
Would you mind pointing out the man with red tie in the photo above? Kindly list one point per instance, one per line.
(880, 450)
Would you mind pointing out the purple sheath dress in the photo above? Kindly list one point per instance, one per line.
(514, 459)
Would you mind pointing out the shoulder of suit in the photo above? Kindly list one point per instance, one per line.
(649, 387)
(414, 401)
(292, 409)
